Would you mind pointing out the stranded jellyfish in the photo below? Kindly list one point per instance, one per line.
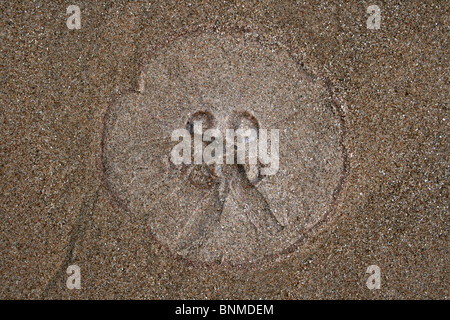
(225, 213)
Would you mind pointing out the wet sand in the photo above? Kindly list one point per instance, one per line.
(57, 85)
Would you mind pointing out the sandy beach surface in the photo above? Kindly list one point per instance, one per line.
(86, 118)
